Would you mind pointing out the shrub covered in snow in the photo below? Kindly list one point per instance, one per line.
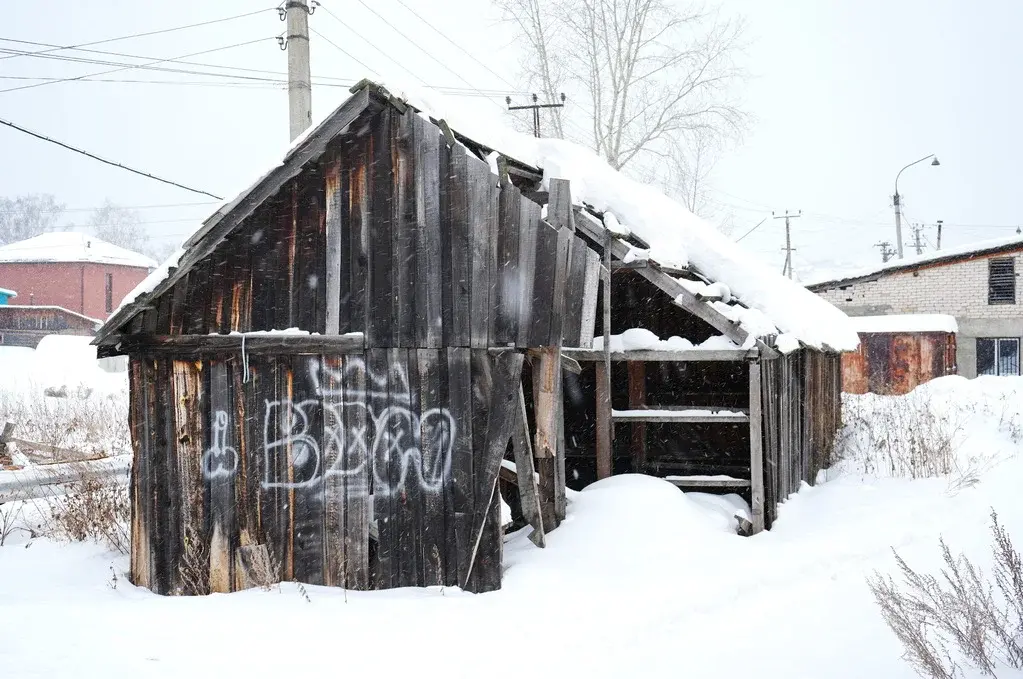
(925, 434)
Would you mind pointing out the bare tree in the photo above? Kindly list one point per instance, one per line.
(658, 81)
(27, 216)
(119, 226)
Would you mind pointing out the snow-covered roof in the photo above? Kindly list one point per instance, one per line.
(905, 323)
(948, 256)
(25, 308)
(677, 239)
(72, 246)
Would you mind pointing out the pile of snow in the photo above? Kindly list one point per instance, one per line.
(72, 246)
(60, 364)
(905, 323)
(641, 339)
(645, 574)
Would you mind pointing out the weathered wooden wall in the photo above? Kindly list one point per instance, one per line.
(303, 454)
(801, 413)
(897, 363)
(433, 253)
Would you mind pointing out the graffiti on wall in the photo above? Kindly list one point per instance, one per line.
(371, 436)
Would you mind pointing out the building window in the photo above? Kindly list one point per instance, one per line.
(1001, 281)
(998, 356)
(110, 292)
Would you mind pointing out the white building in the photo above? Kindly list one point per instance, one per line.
(975, 284)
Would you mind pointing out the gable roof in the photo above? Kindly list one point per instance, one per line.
(72, 246)
(940, 258)
(643, 223)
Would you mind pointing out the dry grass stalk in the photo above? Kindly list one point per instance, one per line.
(959, 615)
(93, 509)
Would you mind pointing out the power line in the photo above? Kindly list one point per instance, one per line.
(134, 66)
(444, 35)
(422, 49)
(371, 44)
(104, 160)
(751, 230)
(142, 35)
(342, 50)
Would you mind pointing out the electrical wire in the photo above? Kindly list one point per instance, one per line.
(104, 160)
(97, 207)
(751, 230)
(343, 50)
(134, 66)
(149, 33)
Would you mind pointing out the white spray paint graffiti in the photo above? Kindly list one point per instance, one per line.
(390, 448)
(220, 461)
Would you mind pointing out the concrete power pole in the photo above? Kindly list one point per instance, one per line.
(898, 222)
(300, 89)
(787, 269)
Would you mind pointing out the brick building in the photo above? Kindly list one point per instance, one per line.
(975, 284)
(75, 271)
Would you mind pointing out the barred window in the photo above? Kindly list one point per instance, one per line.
(998, 356)
(1001, 281)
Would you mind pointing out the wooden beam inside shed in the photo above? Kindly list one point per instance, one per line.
(756, 447)
(252, 344)
(603, 422)
(654, 356)
(637, 399)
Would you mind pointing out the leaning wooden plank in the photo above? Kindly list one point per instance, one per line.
(529, 493)
(501, 422)
(546, 387)
(756, 447)
(697, 481)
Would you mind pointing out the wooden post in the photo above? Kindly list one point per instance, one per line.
(546, 379)
(637, 399)
(529, 493)
(603, 423)
(756, 449)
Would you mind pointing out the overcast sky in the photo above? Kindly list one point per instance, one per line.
(843, 94)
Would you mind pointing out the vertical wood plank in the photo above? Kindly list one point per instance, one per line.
(403, 241)
(541, 299)
(591, 287)
(405, 480)
(637, 399)
(334, 250)
(529, 492)
(359, 206)
(460, 253)
(379, 324)
(529, 224)
(385, 570)
(756, 434)
(356, 451)
(219, 466)
(435, 440)
(508, 271)
(188, 433)
(461, 396)
(429, 323)
(571, 331)
(481, 247)
(331, 395)
(307, 474)
(603, 433)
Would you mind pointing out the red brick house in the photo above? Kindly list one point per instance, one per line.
(75, 271)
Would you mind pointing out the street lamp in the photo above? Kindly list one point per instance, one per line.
(898, 201)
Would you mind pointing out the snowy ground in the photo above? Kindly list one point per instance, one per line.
(640, 581)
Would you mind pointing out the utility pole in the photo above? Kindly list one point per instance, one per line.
(886, 250)
(939, 234)
(918, 243)
(300, 89)
(787, 269)
(536, 110)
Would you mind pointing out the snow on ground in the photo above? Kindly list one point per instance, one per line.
(640, 581)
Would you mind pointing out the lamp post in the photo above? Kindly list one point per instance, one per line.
(898, 201)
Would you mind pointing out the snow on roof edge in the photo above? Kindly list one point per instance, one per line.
(892, 266)
(905, 323)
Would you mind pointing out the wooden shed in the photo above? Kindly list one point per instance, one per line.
(25, 325)
(899, 352)
(331, 374)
